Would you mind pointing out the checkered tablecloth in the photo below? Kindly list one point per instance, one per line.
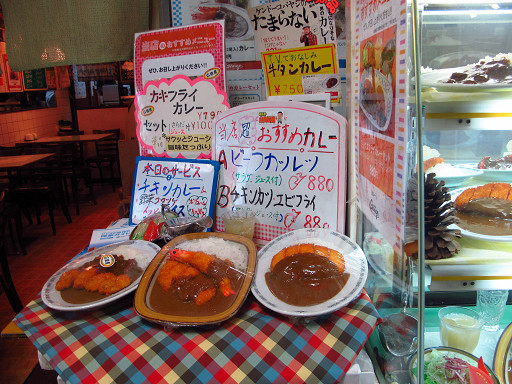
(115, 345)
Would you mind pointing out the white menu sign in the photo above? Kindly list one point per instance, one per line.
(286, 162)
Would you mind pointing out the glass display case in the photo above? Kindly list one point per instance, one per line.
(456, 243)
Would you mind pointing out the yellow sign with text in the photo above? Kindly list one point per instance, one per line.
(284, 68)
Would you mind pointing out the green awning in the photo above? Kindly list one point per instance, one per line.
(47, 33)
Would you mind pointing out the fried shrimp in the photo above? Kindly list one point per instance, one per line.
(67, 279)
(205, 296)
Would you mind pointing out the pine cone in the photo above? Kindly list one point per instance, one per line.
(440, 242)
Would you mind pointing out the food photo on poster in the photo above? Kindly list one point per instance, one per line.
(377, 81)
(240, 44)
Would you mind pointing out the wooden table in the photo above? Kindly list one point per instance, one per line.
(68, 139)
(18, 162)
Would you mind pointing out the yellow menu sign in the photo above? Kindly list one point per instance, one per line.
(284, 68)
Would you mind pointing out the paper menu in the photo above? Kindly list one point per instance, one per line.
(240, 45)
(290, 24)
(180, 82)
(191, 51)
(382, 127)
(284, 160)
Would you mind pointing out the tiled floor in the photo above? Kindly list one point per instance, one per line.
(45, 255)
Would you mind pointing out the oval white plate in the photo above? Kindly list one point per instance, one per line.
(140, 250)
(457, 180)
(436, 79)
(355, 264)
(474, 235)
(498, 175)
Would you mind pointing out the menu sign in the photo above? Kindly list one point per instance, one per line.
(180, 87)
(188, 187)
(285, 69)
(380, 114)
(34, 79)
(286, 162)
(175, 117)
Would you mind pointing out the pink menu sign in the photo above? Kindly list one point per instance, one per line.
(180, 87)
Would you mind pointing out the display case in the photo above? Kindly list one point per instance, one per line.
(453, 137)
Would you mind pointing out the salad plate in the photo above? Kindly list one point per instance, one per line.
(436, 360)
(503, 357)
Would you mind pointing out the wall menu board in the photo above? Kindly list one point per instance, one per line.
(286, 162)
(34, 80)
(187, 186)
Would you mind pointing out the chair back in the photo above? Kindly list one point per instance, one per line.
(108, 148)
(69, 133)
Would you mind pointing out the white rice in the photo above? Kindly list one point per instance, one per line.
(445, 170)
(429, 153)
(223, 249)
(126, 251)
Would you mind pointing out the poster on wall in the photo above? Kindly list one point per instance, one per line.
(14, 79)
(288, 71)
(240, 45)
(51, 78)
(3, 71)
(287, 24)
(180, 85)
(296, 40)
(186, 186)
(380, 114)
(286, 162)
(245, 82)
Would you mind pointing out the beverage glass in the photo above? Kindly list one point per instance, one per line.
(240, 222)
(491, 305)
(460, 327)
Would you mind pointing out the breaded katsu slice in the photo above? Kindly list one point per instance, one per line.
(501, 191)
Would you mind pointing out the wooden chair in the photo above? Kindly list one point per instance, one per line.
(5, 277)
(107, 155)
(42, 183)
(74, 172)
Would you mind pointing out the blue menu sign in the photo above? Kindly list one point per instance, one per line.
(187, 186)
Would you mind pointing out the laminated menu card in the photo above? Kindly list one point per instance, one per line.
(186, 186)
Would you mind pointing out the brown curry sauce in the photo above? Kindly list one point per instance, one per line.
(305, 279)
(120, 266)
(178, 302)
